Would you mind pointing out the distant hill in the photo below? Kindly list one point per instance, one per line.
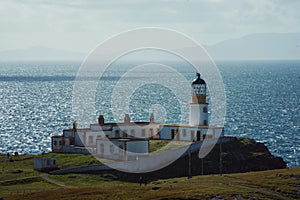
(266, 46)
(40, 53)
(258, 46)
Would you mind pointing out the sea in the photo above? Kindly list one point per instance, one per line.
(262, 102)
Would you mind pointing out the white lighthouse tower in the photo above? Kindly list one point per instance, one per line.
(198, 104)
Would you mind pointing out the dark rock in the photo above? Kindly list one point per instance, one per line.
(110, 176)
(155, 188)
(217, 197)
(238, 197)
(16, 171)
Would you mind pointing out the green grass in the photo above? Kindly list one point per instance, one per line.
(20, 186)
(29, 185)
(157, 144)
(73, 160)
(85, 180)
(24, 163)
(272, 180)
(162, 145)
(163, 191)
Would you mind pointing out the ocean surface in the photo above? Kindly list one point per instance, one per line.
(262, 102)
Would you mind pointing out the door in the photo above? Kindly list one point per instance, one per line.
(198, 135)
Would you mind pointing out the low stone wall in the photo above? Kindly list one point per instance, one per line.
(78, 150)
(83, 169)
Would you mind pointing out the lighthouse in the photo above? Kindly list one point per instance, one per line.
(198, 104)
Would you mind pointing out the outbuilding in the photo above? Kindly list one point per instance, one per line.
(45, 164)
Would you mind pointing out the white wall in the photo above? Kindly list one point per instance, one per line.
(68, 133)
(149, 131)
(44, 163)
(97, 127)
(166, 132)
(197, 116)
(84, 136)
(79, 138)
(57, 143)
(67, 141)
(137, 146)
(114, 152)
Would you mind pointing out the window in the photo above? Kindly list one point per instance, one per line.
(132, 132)
(172, 133)
(54, 162)
(205, 122)
(205, 109)
(90, 142)
(183, 132)
(117, 133)
(55, 143)
(111, 148)
(59, 143)
(177, 134)
(198, 135)
(192, 135)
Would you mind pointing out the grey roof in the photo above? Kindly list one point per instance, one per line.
(198, 80)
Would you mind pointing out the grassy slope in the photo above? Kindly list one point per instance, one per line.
(93, 186)
(29, 180)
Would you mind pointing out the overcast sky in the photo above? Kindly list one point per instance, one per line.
(82, 24)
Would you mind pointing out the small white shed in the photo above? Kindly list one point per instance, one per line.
(45, 164)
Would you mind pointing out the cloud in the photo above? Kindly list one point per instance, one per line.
(88, 22)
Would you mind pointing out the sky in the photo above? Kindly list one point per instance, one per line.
(80, 25)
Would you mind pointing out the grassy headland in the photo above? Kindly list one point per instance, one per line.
(28, 184)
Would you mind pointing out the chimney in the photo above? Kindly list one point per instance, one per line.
(74, 126)
(151, 118)
(101, 120)
(126, 119)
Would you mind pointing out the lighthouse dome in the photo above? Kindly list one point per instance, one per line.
(198, 80)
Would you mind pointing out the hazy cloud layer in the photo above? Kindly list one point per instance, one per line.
(80, 24)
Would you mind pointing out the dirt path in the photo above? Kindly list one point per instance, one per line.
(46, 178)
(261, 190)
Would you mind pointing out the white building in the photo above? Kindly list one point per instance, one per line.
(104, 139)
(122, 149)
(44, 164)
(185, 132)
(129, 139)
(198, 128)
